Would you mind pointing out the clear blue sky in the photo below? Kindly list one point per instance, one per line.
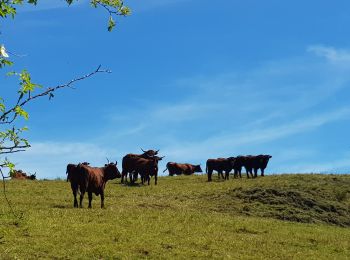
(196, 79)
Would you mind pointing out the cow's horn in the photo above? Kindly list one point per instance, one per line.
(142, 150)
(107, 160)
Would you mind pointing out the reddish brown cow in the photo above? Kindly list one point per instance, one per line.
(220, 165)
(92, 180)
(20, 175)
(147, 168)
(129, 162)
(182, 168)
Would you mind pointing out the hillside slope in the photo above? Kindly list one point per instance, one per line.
(282, 216)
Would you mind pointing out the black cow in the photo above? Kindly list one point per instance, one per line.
(220, 165)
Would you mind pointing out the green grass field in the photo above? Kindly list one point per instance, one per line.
(275, 217)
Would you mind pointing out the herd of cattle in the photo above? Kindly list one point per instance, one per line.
(89, 179)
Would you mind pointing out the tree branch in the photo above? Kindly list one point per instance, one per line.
(4, 118)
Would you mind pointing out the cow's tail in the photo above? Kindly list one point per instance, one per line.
(206, 168)
(166, 168)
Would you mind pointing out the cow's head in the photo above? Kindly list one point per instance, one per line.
(197, 168)
(154, 164)
(149, 153)
(111, 171)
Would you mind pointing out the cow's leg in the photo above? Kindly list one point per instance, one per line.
(90, 198)
(102, 194)
(124, 175)
(255, 172)
(262, 172)
(81, 198)
(155, 179)
(210, 172)
(240, 173)
(75, 191)
(247, 171)
(227, 175)
(131, 177)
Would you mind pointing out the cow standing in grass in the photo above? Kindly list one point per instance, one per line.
(237, 166)
(147, 168)
(129, 162)
(182, 168)
(260, 162)
(92, 180)
(254, 163)
(220, 165)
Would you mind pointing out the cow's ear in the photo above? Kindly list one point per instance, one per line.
(116, 163)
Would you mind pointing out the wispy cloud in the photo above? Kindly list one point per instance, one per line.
(332, 54)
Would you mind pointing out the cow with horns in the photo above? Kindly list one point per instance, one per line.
(91, 180)
(129, 162)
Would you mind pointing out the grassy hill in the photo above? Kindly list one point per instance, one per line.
(275, 217)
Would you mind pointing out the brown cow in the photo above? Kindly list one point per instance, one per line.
(72, 168)
(182, 168)
(220, 165)
(92, 180)
(20, 175)
(147, 168)
(129, 161)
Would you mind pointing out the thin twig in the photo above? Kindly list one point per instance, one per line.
(7, 200)
(4, 116)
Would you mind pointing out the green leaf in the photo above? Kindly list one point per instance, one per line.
(20, 111)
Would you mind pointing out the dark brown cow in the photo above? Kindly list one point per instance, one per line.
(20, 175)
(129, 161)
(260, 162)
(254, 163)
(92, 180)
(182, 168)
(238, 164)
(220, 165)
(147, 168)
(72, 168)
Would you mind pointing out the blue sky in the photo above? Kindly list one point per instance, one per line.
(194, 79)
